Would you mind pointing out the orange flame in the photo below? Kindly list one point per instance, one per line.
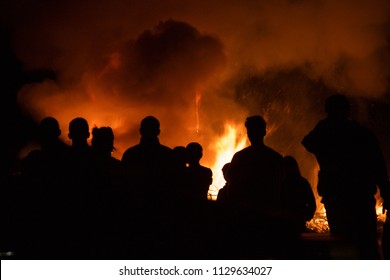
(230, 142)
(198, 96)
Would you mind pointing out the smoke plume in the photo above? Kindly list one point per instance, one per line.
(198, 64)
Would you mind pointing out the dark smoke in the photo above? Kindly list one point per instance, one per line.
(119, 60)
(158, 73)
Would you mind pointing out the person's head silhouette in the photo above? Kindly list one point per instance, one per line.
(256, 129)
(150, 127)
(337, 107)
(49, 130)
(225, 171)
(103, 140)
(194, 153)
(79, 131)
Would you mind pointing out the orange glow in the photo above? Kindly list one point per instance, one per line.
(114, 71)
(198, 96)
(381, 215)
(319, 223)
(230, 142)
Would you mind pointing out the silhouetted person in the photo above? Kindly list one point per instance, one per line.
(102, 148)
(81, 158)
(221, 220)
(255, 194)
(80, 155)
(41, 186)
(351, 167)
(79, 134)
(52, 149)
(103, 141)
(198, 180)
(199, 177)
(297, 196)
(150, 167)
(111, 205)
(79, 196)
(223, 192)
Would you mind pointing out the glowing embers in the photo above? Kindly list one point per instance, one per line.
(381, 216)
(232, 140)
(319, 223)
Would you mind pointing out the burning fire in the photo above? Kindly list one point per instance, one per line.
(380, 214)
(319, 223)
(232, 141)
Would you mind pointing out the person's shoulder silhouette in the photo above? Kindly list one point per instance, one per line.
(199, 177)
(352, 166)
(149, 149)
(151, 171)
(298, 198)
(255, 172)
(46, 161)
(81, 164)
(80, 157)
(42, 177)
(52, 150)
(111, 199)
(222, 197)
(255, 187)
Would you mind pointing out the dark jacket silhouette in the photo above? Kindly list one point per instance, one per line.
(255, 187)
(199, 177)
(149, 163)
(40, 189)
(255, 173)
(351, 167)
(192, 213)
(78, 196)
(223, 192)
(150, 168)
(110, 205)
(297, 196)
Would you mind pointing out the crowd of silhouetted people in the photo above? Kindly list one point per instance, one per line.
(79, 202)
